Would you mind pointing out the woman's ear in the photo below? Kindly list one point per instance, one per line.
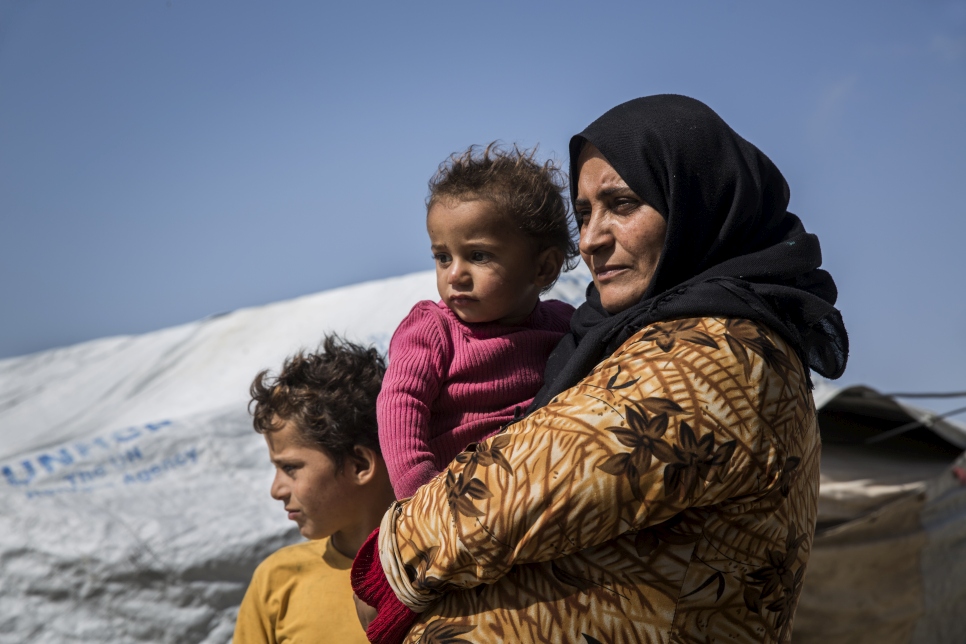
(363, 464)
(549, 262)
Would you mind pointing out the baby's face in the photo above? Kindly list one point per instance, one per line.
(318, 497)
(486, 270)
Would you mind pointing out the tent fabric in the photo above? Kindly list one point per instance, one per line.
(134, 500)
(888, 562)
(134, 493)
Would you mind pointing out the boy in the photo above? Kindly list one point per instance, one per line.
(319, 421)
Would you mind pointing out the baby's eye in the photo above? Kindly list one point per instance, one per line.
(442, 258)
(479, 257)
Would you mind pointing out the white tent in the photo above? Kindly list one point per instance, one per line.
(134, 500)
(134, 497)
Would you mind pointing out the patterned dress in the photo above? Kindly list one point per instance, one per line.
(670, 496)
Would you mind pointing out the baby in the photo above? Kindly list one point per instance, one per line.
(318, 417)
(464, 367)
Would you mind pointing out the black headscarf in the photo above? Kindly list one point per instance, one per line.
(731, 248)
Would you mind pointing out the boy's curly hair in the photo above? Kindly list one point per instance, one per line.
(529, 193)
(329, 395)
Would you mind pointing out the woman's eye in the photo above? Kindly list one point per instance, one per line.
(289, 469)
(625, 204)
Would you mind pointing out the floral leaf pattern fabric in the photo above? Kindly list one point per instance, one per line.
(666, 334)
(442, 632)
(670, 496)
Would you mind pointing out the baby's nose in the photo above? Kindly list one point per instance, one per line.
(458, 273)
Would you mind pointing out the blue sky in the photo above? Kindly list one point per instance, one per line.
(161, 161)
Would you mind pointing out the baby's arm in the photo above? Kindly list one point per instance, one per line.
(417, 364)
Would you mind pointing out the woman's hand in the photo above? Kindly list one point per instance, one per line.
(364, 611)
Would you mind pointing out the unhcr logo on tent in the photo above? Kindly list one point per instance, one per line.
(82, 462)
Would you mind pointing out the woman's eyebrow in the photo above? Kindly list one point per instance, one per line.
(605, 192)
(609, 192)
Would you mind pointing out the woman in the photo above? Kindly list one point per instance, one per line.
(664, 487)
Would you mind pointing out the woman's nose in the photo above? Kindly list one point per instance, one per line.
(594, 234)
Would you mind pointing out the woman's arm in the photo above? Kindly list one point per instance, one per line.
(417, 362)
(680, 416)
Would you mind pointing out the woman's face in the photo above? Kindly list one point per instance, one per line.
(621, 237)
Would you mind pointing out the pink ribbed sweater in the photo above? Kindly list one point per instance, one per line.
(450, 384)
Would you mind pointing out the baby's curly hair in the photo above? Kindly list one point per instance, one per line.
(529, 193)
(329, 395)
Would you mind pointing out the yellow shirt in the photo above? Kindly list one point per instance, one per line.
(300, 593)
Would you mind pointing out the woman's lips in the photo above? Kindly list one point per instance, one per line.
(605, 273)
(293, 514)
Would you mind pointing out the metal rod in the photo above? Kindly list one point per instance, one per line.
(901, 429)
(948, 394)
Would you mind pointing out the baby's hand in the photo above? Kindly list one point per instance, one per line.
(364, 611)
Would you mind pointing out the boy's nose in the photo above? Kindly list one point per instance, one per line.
(279, 490)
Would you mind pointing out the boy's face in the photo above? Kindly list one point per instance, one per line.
(317, 497)
(486, 271)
